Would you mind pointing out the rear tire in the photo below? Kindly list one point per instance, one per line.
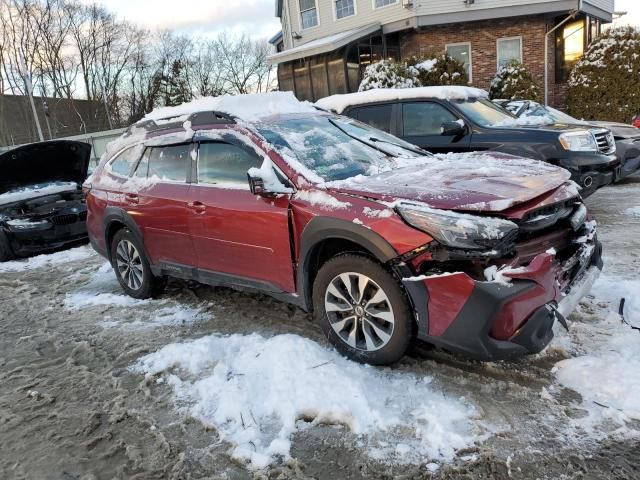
(132, 268)
(362, 310)
(6, 253)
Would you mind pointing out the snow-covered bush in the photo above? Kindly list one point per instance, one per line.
(386, 74)
(415, 72)
(515, 82)
(605, 83)
(439, 69)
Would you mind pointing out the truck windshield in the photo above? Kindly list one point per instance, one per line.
(483, 112)
(331, 146)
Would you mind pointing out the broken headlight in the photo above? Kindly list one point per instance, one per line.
(459, 230)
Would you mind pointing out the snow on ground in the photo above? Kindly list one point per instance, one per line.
(634, 211)
(47, 260)
(605, 368)
(257, 391)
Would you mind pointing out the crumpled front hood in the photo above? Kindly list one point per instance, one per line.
(466, 182)
(44, 162)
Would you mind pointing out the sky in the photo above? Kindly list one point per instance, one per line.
(254, 17)
(199, 17)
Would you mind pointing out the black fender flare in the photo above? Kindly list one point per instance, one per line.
(119, 215)
(320, 229)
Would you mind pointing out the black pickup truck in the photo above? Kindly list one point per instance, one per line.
(463, 119)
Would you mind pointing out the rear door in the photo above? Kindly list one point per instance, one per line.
(421, 124)
(378, 116)
(242, 236)
(162, 194)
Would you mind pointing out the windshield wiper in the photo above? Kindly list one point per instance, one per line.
(418, 150)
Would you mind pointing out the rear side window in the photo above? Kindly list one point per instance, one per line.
(425, 118)
(223, 163)
(124, 161)
(378, 116)
(170, 163)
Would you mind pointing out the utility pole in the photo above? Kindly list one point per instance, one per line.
(27, 81)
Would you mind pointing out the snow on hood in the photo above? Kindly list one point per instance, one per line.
(250, 107)
(339, 103)
(43, 163)
(467, 182)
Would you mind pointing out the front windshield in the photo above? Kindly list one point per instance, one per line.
(483, 112)
(325, 145)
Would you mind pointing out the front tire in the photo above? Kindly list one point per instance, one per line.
(132, 268)
(362, 310)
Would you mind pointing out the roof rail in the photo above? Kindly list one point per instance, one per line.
(170, 123)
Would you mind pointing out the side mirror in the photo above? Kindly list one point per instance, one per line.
(256, 184)
(452, 129)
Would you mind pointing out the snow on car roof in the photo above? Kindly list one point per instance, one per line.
(249, 107)
(338, 103)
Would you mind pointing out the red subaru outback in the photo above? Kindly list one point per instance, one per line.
(382, 241)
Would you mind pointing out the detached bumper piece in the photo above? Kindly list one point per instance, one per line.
(494, 321)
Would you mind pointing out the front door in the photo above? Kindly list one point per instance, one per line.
(422, 126)
(236, 234)
(161, 198)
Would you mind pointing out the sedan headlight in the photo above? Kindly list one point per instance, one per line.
(458, 230)
(25, 224)
(581, 141)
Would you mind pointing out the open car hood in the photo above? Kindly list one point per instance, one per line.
(465, 182)
(44, 162)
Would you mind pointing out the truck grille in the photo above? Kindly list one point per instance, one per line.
(606, 142)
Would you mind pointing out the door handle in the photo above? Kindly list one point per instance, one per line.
(197, 207)
(132, 198)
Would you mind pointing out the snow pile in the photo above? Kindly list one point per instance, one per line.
(34, 191)
(47, 261)
(250, 107)
(339, 103)
(525, 120)
(607, 372)
(634, 211)
(258, 391)
(100, 291)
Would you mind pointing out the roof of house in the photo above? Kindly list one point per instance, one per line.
(323, 45)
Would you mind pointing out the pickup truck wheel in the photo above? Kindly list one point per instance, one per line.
(362, 310)
(131, 267)
(6, 253)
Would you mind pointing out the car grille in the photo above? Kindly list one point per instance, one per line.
(67, 219)
(606, 142)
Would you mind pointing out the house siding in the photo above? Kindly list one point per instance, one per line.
(483, 36)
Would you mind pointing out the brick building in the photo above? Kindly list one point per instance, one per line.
(325, 45)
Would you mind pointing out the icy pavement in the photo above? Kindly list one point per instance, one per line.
(209, 382)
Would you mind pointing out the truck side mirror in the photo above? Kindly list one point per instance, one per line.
(452, 129)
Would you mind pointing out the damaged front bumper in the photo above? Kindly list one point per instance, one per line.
(500, 320)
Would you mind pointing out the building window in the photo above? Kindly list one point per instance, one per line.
(509, 50)
(571, 41)
(462, 53)
(344, 8)
(383, 3)
(308, 13)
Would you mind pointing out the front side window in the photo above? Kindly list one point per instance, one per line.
(509, 50)
(308, 13)
(378, 116)
(344, 8)
(170, 163)
(124, 161)
(462, 53)
(425, 118)
(224, 164)
(384, 3)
